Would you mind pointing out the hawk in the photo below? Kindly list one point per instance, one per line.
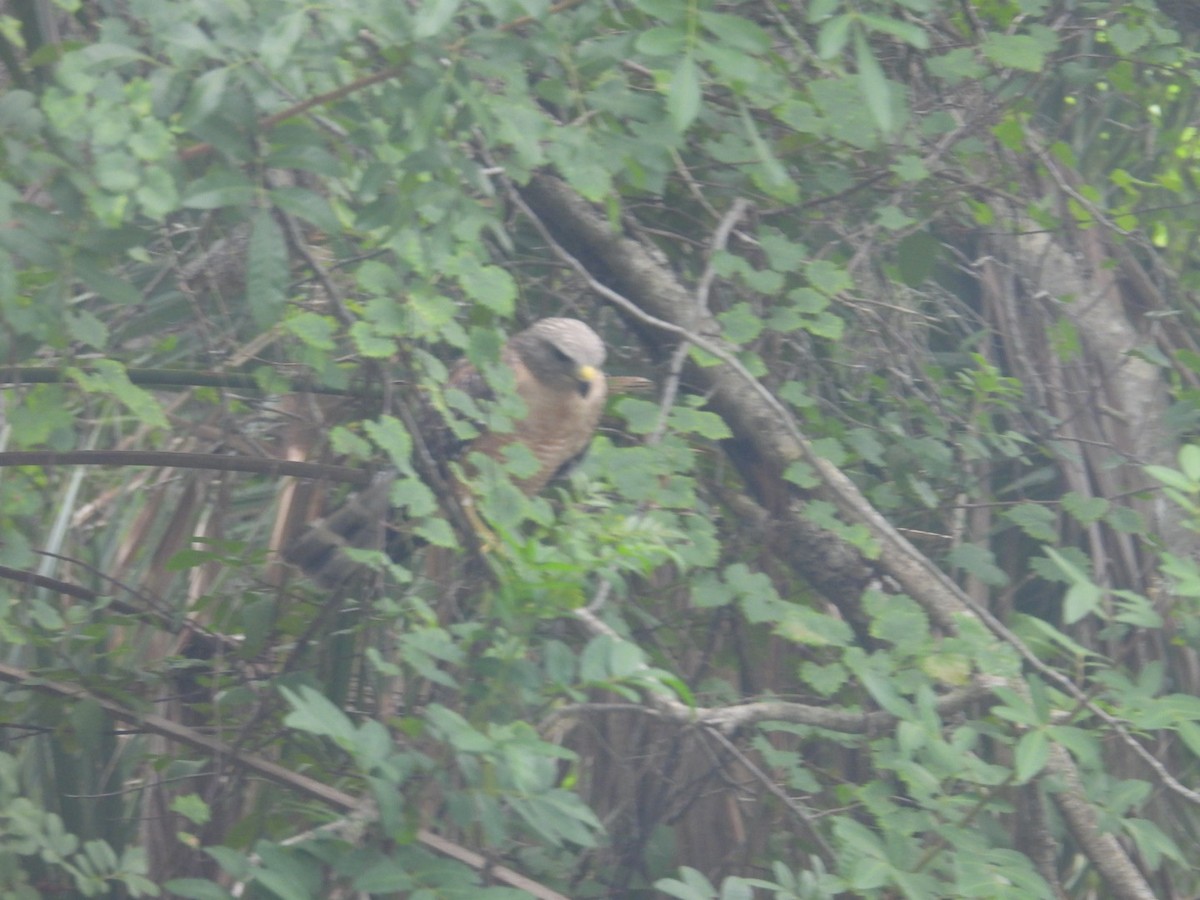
(556, 364)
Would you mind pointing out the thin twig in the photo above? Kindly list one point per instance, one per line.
(720, 238)
(827, 855)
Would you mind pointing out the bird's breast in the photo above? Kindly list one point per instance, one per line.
(557, 427)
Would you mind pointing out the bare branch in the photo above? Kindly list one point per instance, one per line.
(215, 462)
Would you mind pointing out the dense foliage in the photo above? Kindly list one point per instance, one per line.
(885, 587)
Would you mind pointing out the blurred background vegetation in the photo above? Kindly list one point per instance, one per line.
(885, 587)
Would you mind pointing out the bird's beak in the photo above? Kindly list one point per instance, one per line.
(585, 376)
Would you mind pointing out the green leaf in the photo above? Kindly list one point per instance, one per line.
(1047, 631)
(370, 343)
(157, 194)
(893, 218)
(661, 41)
(84, 327)
(949, 668)
(458, 732)
(193, 808)
(774, 176)
(692, 885)
(916, 256)
(315, 713)
(220, 187)
(1082, 599)
(833, 36)
(1083, 743)
(882, 688)
(1017, 51)
(280, 39)
(347, 443)
(106, 55)
(708, 591)
(386, 876)
(231, 861)
(1083, 596)
(308, 205)
(1153, 842)
(109, 377)
(257, 620)
(1072, 572)
(433, 16)
(284, 875)
(683, 94)
(896, 619)
(1017, 708)
(873, 83)
(910, 168)
(1085, 510)
(390, 435)
(978, 561)
(315, 330)
(1035, 519)
(911, 34)
(740, 324)
(802, 625)
(205, 97)
(114, 172)
(827, 277)
(1126, 39)
(625, 659)
(607, 657)
(699, 422)
(1031, 755)
(8, 279)
(641, 416)
(825, 680)
(1134, 609)
(491, 286)
(197, 889)
(1189, 733)
(1189, 462)
(1127, 520)
(266, 270)
(737, 32)
(1172, 479)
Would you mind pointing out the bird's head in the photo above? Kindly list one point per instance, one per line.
(564, 354)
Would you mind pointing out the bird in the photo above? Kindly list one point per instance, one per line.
(557, 365)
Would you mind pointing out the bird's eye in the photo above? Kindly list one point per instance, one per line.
(559, 354)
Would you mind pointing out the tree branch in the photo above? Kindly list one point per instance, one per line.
(215, 462)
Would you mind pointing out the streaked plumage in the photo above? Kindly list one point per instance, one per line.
(557, 365)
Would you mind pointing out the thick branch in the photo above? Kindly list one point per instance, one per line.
(730, 719)
(173, 378)
(1101, 847)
